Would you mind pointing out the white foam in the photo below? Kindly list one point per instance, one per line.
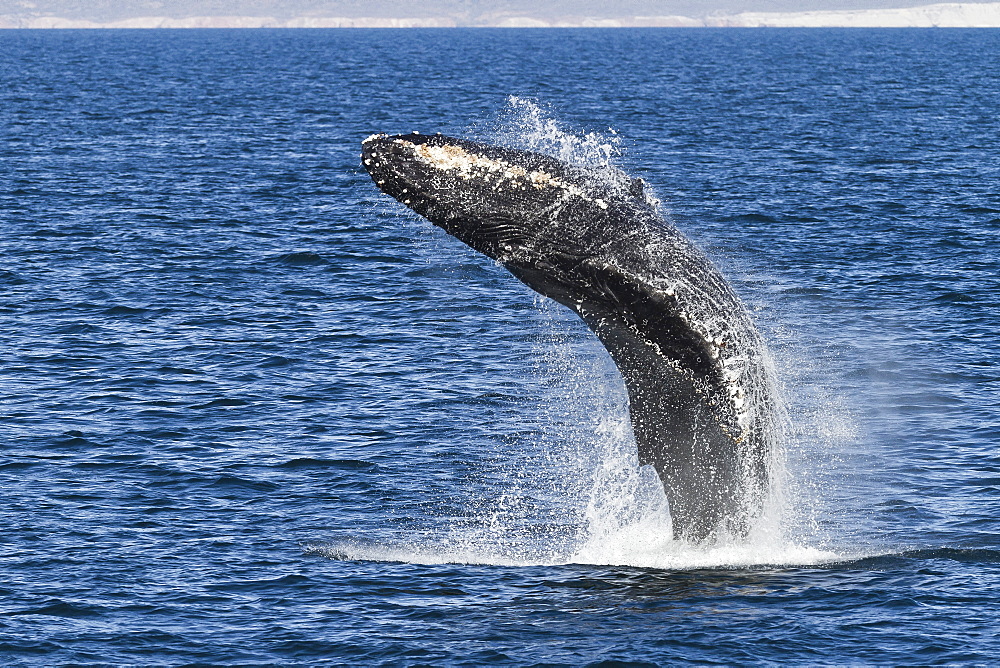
(641, 545)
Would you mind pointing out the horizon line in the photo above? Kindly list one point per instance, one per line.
(937, 15)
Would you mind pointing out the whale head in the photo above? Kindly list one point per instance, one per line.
(511, 205)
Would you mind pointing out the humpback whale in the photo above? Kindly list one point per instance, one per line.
(699, 392)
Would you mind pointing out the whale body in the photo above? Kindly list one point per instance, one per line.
(700, 394)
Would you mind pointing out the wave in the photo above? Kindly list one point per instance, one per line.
(898, 560)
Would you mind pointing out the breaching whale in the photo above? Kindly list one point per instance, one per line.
(700, 395)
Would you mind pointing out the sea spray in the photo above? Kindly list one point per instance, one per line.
(617, 499)
(526, 125)
(577, 493)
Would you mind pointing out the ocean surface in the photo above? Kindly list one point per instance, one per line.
(254, 412)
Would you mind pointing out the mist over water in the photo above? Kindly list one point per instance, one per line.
(254, 412)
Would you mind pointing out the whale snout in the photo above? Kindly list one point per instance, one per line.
(381, 156)
(399, 166)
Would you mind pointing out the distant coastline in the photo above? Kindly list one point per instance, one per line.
(942, 15)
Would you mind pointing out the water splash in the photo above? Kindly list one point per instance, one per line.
(626, 519)
(574, 492)
(526, 125)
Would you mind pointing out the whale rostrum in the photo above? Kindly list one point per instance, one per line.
(700, 394)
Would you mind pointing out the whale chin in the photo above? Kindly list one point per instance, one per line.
(700, 394)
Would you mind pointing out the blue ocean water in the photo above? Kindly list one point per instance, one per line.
(254, 412)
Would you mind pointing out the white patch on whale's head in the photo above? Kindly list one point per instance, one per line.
(462, 164)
